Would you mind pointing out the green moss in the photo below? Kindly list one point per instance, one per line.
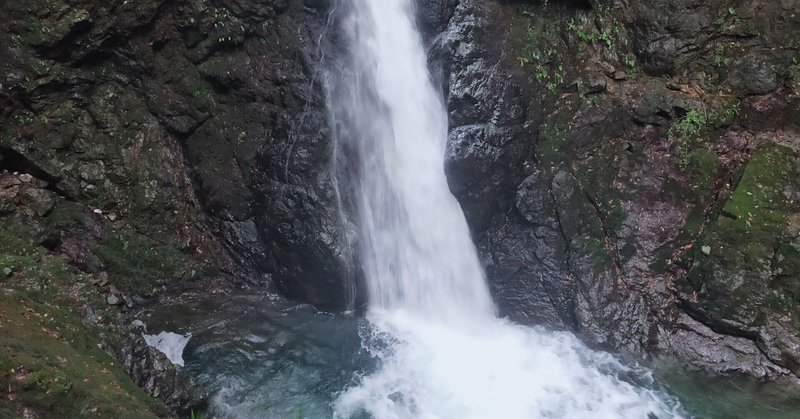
(614, 214)
(46, 386)
(601, 255)
(757, 202)
(138, 263)
(703, 165)
(744, 263)
(65, 214)
(536, 43)
(12, 244)
(6, 412)
(662, 263)
(794, 71)
(203, 99)
(628, 251)
(50, 363)
(554, 144)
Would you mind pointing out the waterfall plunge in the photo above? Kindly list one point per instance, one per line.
(443, 352)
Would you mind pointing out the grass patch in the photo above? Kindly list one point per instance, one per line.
(50, 363)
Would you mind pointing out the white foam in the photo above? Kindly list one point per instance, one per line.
(496, 370)
(170, 344)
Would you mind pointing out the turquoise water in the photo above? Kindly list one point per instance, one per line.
(263, 357)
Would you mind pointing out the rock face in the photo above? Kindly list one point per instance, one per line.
(630, 172)
(159, 142)
(153, 372)
(200, 124)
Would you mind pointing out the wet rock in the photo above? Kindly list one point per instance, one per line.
(755, 76)
(592, 85)
(744, 284)
(488, 133)
(435, 15)
(153, 372)
(611, 209)
(722, 354)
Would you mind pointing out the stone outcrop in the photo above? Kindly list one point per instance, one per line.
(201, 123)
(630, 172)
(170, 142)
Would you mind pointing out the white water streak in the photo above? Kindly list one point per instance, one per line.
(416, 248)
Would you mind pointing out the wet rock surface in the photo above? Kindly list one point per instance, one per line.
(610, 159)
(153, 144)
(153, 372)
(199, 124)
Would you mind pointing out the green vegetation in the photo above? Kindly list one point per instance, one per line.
(553, 142)
(139, 263)
(690, 126)
(203, 99)
(222, 17)
(794, 71)
(24, 118)
(696, 125)
(538, 49)
(551, 42)
(759, 193)
(227, 27)
(721, 57)
(597, 249)
(50, 362)
(749, 249)
(587, 31)
(630, 61)
(729, 19)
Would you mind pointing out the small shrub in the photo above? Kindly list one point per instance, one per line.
(696, 124)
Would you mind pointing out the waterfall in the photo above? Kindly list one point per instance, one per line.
(443, 351)
(416, 248)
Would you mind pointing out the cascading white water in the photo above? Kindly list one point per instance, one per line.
(417, 252)
(443, 351)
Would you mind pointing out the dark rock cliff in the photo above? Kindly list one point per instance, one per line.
(630, 171)
(202, 122)
(169, 144)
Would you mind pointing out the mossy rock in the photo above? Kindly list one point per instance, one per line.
(745, 264)
(138, 263)
(50, 363)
